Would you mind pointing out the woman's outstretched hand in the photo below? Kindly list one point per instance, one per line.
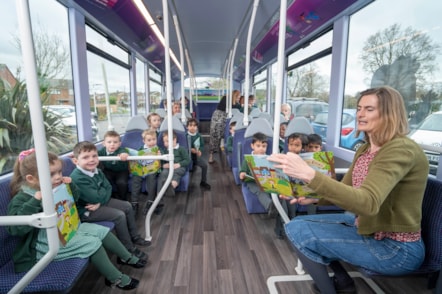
(293, 166)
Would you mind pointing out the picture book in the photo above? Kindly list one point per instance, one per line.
(274, 180)
(145, 166)
(67, 214)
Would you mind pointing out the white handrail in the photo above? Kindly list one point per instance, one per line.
(180, 44)
(232, 61)
(247, 69)
(48, 218)
(170, 156)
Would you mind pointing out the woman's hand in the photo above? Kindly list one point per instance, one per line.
(293, 166)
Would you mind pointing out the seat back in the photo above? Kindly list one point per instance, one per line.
(132, 137)
(257, 125)
(8, 242)
(161, 112)
(432, 226)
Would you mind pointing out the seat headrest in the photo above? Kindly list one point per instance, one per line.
(177, 125)
(137, 122)
(259, 125)
(299, 125)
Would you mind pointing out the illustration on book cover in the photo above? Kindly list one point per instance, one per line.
(274, 180)
(67, 213)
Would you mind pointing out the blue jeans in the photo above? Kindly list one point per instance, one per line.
(327, 237)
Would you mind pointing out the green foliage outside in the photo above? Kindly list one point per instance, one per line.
(16, 128)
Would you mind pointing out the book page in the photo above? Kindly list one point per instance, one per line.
(146, 166)
(274, 180)
(68, 219)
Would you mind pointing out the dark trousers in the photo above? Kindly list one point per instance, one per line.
(119, 179)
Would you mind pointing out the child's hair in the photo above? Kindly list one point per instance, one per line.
(286, 105)
(149, 132)
(295, 136)
(26, 164)
(314, 139)
(83, 146)
(111, 134)
(165, 134)
(152, 115)
(192, 121)
(232, 124)
(259, 137)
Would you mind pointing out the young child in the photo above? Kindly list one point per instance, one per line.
(95, 202)
(259, 147)
(282, 128)
(197, 145)
(182, 160)
(150, 145)
(229, 141)
(90, 240)
(176, 108)
(286, 111)
(116, 171)
(314, 143)
(154, 120)
(294, 143)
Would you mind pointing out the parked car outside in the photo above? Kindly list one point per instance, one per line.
(348, 129)
(429, 132)
(67, 115)
(307, 107)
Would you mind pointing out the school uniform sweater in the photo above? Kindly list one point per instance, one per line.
(114, 165)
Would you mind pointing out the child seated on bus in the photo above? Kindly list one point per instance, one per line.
(259, 147)
(90, 240)
(149, 147)
(154, 120)
(314, 143)
(282, 128)
(295, 143)
(286, 111)
(116, 171)
(95, 202)
(229, 141)
(196, 150)
(181, 162)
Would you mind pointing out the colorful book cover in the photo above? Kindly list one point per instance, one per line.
(146, 166)
(67, 214)
(274, 180)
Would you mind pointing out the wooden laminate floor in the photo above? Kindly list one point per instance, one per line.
(206, 242)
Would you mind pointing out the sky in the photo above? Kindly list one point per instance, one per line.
(421, 15)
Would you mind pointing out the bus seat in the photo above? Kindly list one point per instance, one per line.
(235, 118)
(161, 112)
(255, 113)
(238, 139)
(132, 137)
(431, 227)
(258, 125)
(183, 141)
(267, 116)
(49, 280)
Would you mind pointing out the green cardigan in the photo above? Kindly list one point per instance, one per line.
(96, 189)
(181, 156)
(390, 198)
(25, 255)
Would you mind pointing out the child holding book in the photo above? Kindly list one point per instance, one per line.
(116, 171)
(90, 240)
(149, 171)
(181, 162)
(95, 202)
(197, 145)
(314, 143)
(259, 147)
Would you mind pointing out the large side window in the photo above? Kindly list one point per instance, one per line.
(108, 72)
(403, 51)
(49, 21)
